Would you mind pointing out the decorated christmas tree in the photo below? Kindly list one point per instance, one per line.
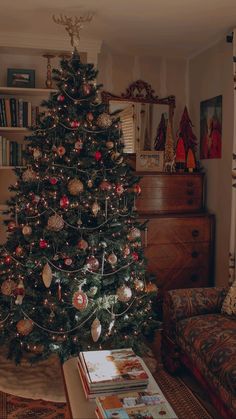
(72, 270)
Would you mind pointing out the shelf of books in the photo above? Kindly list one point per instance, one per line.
(11, 153)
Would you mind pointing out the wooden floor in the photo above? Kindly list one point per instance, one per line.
(188, 379)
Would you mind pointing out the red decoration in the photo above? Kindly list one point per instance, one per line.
(80, 300)
(190, 160)
(43, 243)
(19, 251)
(180, 157)
(82, 244)
(75, 124)
(186, 132)
(11, 226)
(119, 189)
(90, 117)
(137, 189)
(105, 185)
(53, 180)
(98, 155)
(64, 202)
(68, 261)
(7, 260)
(135, 256)
(61, 150)
(61, 98)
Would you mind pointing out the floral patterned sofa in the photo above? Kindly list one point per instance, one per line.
(196, 334)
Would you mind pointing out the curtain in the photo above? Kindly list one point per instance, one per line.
(232, 248)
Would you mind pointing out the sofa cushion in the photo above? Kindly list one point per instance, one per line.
(210, 342)
(229, 303)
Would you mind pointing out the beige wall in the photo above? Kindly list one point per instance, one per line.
(167, 76)
(210, 74)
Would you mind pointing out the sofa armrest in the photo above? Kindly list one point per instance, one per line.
(182, 303)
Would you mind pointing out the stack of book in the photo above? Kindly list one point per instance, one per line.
(107, 372)
(17, 113)
(11, 152)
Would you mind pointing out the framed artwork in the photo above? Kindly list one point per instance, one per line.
(150, 161)
(211, 128)
(17, 77)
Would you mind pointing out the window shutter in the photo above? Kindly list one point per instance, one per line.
(127, 123)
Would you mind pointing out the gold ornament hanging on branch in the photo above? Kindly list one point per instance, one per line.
(73, 25)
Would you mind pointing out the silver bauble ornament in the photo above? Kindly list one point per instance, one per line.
(124, 293)
(55, 223)
(29, 176)
(139, 285)
(96, 329)
(104, 120)
(75, 187)
(47, 275)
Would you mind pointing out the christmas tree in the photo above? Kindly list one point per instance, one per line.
(186, 131)
(73, 270)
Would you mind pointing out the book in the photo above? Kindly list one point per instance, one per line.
(145, 404)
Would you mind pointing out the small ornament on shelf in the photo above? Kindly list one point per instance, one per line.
(48, 81)
(180, 158)
(169, 153)
(190, 160)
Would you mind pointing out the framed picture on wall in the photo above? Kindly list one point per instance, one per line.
(211, 128)
(17, 77)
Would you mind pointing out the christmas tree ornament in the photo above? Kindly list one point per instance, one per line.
(29, 176)
(92, 263)
(112, 259)
(82, 244)
(55, 223)
(105, 185)
(92, 291)
(180, 158)
(37, 154)
(79, 145)
(89, 117)
(47, 275)
(95, 208)
(111, 325)
(43, 244)
(19, 293)
(8, 286)
(137, 189)
(68, 261)
(7, 260)
(60, 98)
(75, 187)
(90, 183)
(86, 88)
(53, 180)
(19, 251)
(190, 160)
(24, 327)
(61, 150)
(96, 329)
(64, 202)
(11, 226)
(80, 300)
(124, 294)
(135, 256)
(151, 287)
(109, 145)
(116, 157)
(134, 234)
(104, 121)
(75, 124)
(35, 199)
(126, 251)
(97, 155)
(119, 189)
(138, 285)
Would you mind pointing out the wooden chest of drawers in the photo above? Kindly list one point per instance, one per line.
(171, 193)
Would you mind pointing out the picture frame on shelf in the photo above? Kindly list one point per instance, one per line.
(150, 161)
(18, 77)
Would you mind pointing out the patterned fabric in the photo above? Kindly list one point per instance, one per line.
(229, 303)
(210, 341)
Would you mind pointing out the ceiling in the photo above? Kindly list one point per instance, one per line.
(153, 27)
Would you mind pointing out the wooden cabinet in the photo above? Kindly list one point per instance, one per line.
(179, 238)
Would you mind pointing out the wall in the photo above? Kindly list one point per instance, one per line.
(167, 76)
(210, 74)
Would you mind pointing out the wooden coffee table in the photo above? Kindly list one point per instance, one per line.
(81, 408)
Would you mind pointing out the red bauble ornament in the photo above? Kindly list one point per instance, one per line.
(82, 244)
(68, 261)
(7, 260)
(19, 251)
(75, 124)
(98, 155)
(92, 263)
(61, 150)
(11, 226)
(43, 243)
(135, 256)
(64, 201)
(137, 189)
(53, 180)
(80, 300)
(119, 189)
(60, 98)
(90, 117)
(105, 185)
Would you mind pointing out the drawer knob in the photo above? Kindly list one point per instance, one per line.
(190, 192)
(194, 277)
(190, 201)
(195, 233)
(195, 254)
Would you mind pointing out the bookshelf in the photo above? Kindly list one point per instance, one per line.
(20, 91)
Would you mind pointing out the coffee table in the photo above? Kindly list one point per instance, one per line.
(81, 408)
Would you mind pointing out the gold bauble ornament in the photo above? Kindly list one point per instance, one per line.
(112, 259)
(7, 287)
(139, 285)
(26, 230)
(82, 244)
(37, 154)
(75, 187)
(95, 208)
(55, 223)
(109, 145)
(96, 329)
(104, 120)
(24, 327)
(90, 183)
(29, 176)
(124, 293)
(47, 275)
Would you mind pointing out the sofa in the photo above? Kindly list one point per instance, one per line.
(197, 335)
